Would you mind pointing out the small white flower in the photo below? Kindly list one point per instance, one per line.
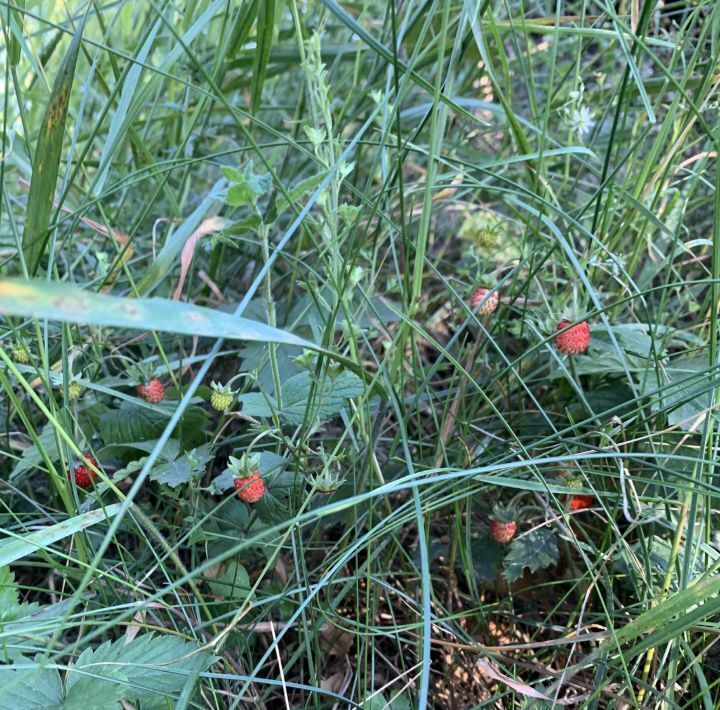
(580, 121)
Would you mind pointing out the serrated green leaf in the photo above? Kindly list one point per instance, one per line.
(256, 404)
(46, 163)
(30, 689)
(149, 670)
(327, 401)
(10, 607)
(175, 473)
(535, 550)
(131, 422)
(281, 496)
(486, 556)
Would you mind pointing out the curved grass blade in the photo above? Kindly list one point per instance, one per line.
(47, 159)
(175, 243)
(23, 545)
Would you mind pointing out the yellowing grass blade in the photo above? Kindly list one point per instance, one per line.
(46, 162)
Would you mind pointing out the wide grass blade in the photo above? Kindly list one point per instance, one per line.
(71, 304)
(47, 159)
(19, 547)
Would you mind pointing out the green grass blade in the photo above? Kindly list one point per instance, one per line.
(21, 546)
(68, 303)
(265, 26)
(47, 159)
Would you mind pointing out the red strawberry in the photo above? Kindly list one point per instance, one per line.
(573, 341)
(502, 524)
(580, 501)
(250, 489)
(153, 391)
(502, 532)
(490, 305)
(83, 474)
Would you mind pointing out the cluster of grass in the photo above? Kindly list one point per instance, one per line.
(291, 203)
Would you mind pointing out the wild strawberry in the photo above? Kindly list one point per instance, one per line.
(573, 341)
(502, 524)
(153, 391)
(75, 390)
(20, 354)
(222, 397)
(580, 502)
(83, 474)
(250, 489)
(489, 306)
(326, 482)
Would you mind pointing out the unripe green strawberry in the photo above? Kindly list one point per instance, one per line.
(222, 397)
(20, 354)
(75, 390)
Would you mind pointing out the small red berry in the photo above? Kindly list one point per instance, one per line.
(83, 474)
(573, 341)
(502, 523)
(250, 489)
(153, 391)
(502, 532)
(580, 501)
(489, 306)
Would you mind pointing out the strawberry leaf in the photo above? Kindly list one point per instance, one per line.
(149, 670)
(30, 688)
(486, 556)
(535, 550)
(324, 401)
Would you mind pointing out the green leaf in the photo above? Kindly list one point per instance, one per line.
(131, 422)
(10, 607)
(486, 556)
(68, 303)
(32, 458)
(256, 404)
(684, 393)
(535, 550)
(30, 689)
(327, 401)
(148, 670)
(24, 545)
(46, 163)
(281, 494)
(233, 582)
(181, 470)
(246, 186)
(130, 84)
